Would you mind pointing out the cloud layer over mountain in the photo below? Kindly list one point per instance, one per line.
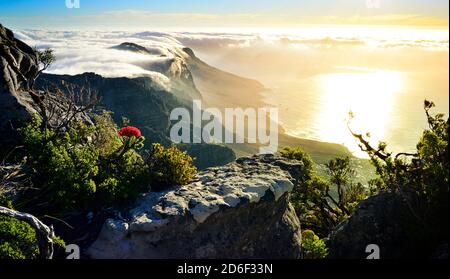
(90, 51)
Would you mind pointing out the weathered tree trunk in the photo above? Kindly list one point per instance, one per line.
(44, 234)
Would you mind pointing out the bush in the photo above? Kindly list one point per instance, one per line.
(312, 246)
(65, 165)
(348, 194)
(424, 175)
(169, 167)
(297, 153)
(322, 203)
(123, 173)
(425, 172)
(59, 248)
(17, 239)
(84, 167)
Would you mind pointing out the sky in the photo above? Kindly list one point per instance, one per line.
(141, 14)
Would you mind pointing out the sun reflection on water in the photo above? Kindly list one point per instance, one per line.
(368, 95)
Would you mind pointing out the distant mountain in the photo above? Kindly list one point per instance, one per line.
(217, 88)
(132, 47)
(172, 65)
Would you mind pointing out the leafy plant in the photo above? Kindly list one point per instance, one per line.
(169, 166)
(17, 239)
(348, 194)
(298, 154)
(312, 246)
(45, 58)
(87, 165)
(323, 202)
(422, 175)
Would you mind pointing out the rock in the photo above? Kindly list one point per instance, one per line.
(18, 65)
(239, 210)
(385, 220)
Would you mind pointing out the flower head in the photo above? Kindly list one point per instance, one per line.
(130, 131)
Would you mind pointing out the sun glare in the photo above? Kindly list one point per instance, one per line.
(369, 96)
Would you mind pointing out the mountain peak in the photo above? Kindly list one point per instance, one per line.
(132, 47)
(189, 52)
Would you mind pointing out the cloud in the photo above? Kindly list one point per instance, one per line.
(314, 37)
(90, 51)
(387, 19)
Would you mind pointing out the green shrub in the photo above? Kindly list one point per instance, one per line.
(5, 201)
(298, 154)
(425, 172)
(17, 239)
(84, 167)
(58, 242)
(312, 246)
(423, 175)
(169, 166)
(322, 203)
(122, 177)
(59, 248)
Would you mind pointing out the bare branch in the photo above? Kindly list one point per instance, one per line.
(58, 107)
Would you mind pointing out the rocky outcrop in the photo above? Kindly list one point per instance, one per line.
(240, 210)
(18, 66)
(387, 220)
(19, 99)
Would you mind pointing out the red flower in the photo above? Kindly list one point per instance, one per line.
(130, 131)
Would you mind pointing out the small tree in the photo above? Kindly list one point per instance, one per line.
(45, 59)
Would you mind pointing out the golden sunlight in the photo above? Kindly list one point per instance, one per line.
(369, 95)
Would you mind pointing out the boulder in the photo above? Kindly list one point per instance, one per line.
(388, 221)
(239, 210)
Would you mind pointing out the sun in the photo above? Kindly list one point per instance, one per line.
(369, 95)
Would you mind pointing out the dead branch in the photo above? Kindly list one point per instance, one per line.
(58, 107)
